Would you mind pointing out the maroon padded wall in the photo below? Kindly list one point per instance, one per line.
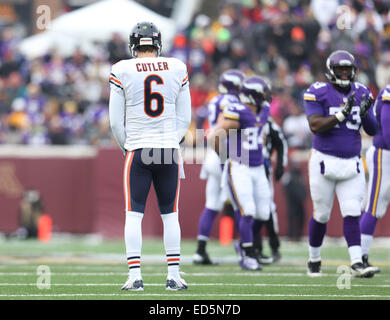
(84, 195)
(66, 187)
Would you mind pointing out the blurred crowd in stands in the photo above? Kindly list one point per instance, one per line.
(57, 100)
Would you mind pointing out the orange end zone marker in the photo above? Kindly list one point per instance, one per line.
(226, 230)
(44, 228)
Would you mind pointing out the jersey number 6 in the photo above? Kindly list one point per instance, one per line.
(150, 96)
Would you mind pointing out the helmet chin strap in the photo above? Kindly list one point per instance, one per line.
(133, 52)
(159, 48)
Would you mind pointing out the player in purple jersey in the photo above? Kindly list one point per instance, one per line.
(378, 162)
(229, 87)
(244, 171)
(336, 110)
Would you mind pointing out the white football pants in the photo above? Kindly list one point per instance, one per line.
(378, 192)
(249, 190)
(350, 192)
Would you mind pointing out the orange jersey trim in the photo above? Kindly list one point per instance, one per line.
(117, 81)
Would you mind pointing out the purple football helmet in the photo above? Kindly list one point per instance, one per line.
(334, 65)
(230, 81)
(255, 90)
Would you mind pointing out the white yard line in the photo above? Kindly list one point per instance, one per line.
(200, 295)
(153, 259)
(145, 267)
(200, 274)
(199, 285)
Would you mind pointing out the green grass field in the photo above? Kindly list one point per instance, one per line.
(90, 268)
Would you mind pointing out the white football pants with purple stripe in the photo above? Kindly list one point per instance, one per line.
(249, 190)
(350, 192)
(378, 192)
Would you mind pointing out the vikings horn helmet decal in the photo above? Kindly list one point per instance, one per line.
(230, 81)
(255, 90)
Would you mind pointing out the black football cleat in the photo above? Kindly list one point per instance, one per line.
(359, 271)
(314, 269)
(367, 264)
(262, 259)
(202, 259)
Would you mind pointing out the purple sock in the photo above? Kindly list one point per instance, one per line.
(367, 223)
(351, 231)
(206, 222)
(237, 218)
(245, 229)
(316, 233)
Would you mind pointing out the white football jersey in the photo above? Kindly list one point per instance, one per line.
(150, 87)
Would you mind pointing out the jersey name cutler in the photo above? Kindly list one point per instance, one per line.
(151, 87)
(145, 67)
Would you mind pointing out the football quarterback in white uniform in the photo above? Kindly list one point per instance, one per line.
(150, 112)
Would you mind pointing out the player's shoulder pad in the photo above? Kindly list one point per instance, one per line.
(214, 99)
(237, 106)
(362, 89)
(117, 70)
(316, 91)
(120, 66)
(385, 96)
(178, 64)
(231, 98)
(234, 110)
(180, 68)
(227, 99)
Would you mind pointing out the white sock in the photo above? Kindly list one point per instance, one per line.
(314, 254)
(366, 240)
(355, 252)
(246, 244)
(172, 236)
(133, 241)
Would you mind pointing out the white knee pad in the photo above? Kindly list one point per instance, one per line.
(262, 193)
(351, 207)
(214, 196)
(321, 210)
(249, 208)
(263, 212)
(351, 194)
(211, 165)
(321, 191)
